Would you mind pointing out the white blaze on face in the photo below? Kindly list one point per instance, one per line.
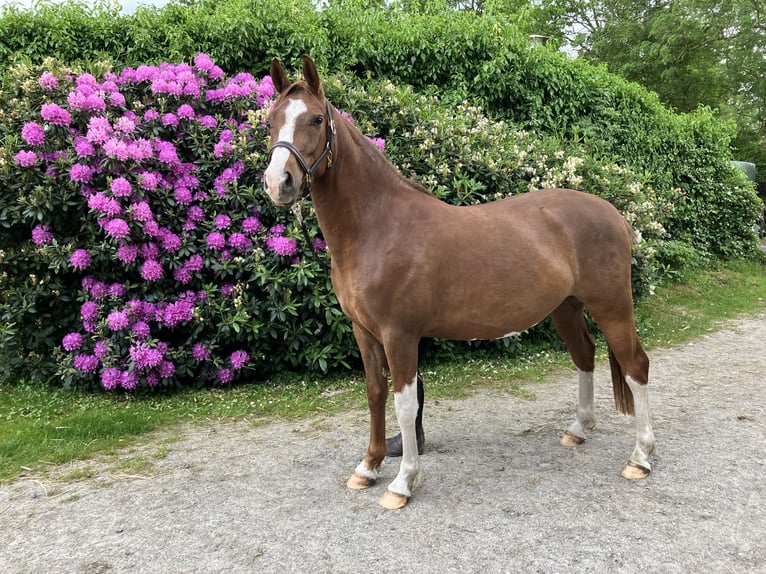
(275, 172)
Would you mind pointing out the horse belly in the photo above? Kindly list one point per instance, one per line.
(493, 306)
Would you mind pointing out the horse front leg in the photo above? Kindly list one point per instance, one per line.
(374, 359)
(398, 493)
(403, 362)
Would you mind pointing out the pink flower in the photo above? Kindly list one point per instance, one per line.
(111, 378)
(129, 380)
(151, 270)
(117, 99)
(186, 112)
(72, 342)
(103, 204)
(183, 195)
(195, 263)
(240, 242)
(86, 79)
(41, 235)
(379, 143)
(282, 246)
(203, 62)
(170, 241)
(141, 330)
(33, 133)
(55, 114)
(101, 349)
(208, 121)
(125, 125)
(117, 228)
(222, 221)
(148, 180)
(89, 311)
(167, 369)
(80, 259)
(86, 363)
(120, 187)
(127, 253)
(81, 173)
(144, 356)
(140, 149)
(116, 148)
(166, 153)
(83, 147)
(117, 320)
(251, 224)
(195, 213)
(25, 158)
(200, 352)
(182, 275)
(319, 244)
(99, 130)
(216, 240)
(239, 359)
(265, 89)
(48, 81)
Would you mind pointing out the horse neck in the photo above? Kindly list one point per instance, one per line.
(355, 192)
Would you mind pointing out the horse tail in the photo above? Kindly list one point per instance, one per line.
(623, 396)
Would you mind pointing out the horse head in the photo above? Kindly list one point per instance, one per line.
(302, 130)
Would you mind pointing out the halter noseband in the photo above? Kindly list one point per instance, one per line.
(308, 172)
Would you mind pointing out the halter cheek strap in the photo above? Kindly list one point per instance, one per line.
(326, 154)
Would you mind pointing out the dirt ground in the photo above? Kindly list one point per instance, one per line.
(499, 493)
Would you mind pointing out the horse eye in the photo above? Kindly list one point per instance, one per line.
(318, 120)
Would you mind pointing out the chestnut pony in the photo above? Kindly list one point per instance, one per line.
(406, 265)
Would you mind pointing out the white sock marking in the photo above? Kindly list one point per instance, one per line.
(362, 470)
(584, 418)
(406, 404)
(645, 443)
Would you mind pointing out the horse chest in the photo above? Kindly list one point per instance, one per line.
(355, 295)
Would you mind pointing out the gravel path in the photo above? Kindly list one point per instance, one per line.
(499, 493)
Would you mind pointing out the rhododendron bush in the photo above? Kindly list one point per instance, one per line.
(151, 235)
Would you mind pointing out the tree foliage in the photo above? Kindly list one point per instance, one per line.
(690, 52)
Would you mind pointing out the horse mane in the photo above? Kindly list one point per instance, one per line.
(361, 140)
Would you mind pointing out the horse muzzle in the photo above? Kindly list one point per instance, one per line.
(282, 189)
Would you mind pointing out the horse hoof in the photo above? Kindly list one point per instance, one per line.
(359, 482)
(393, 501)
(569, 439)
(633, 471)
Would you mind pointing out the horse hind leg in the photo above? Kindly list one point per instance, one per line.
(630, 379)
(569, 321)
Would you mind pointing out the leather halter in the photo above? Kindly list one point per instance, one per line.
(308, 172)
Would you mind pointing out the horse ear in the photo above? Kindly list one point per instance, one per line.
(311, 76)
(278, 76)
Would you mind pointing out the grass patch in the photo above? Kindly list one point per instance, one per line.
(702, 299)
(43, 426)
